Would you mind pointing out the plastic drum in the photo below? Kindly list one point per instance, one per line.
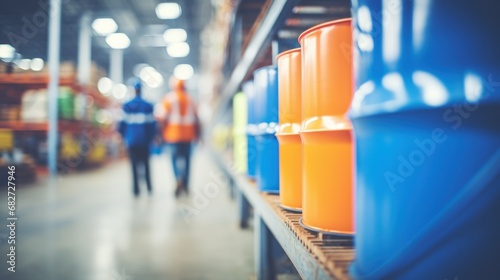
(248, 89)
(326, 131)
(426, 115)
(290, 119)
(266, 102)
(240, 123)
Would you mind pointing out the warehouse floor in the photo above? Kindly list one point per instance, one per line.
(90, 226)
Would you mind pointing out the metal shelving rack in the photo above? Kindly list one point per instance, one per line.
(278, 23)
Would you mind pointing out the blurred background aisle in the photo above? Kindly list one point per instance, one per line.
(91, 227)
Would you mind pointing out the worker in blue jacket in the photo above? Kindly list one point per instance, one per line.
(138, 129)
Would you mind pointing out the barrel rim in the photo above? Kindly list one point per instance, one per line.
(288, 52)
(325, 24)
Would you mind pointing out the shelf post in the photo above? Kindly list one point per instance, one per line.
(275, 47)
(244, 209)
(84, 49)
(53, 88)
(264, 265)
(116, 66)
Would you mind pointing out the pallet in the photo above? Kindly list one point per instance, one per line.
(334, 254)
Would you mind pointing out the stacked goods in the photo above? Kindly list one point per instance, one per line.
(80, 106)
(34, 106)
(426, 114)
(66, 103)
(326, 131)
(290, 115)
(266, 106)
(251, 130)
(9, 112)
(70, 148)
(97, 153)
(6, 140)
(239, 132)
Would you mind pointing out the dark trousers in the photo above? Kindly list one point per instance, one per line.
(181, 157)
(139, 157)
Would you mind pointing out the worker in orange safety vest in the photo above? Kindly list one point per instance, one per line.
(181, 127)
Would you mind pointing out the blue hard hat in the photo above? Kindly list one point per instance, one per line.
(135, 83)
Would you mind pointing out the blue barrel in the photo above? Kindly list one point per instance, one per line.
(248, 90)
(266, 102)
(426, 114)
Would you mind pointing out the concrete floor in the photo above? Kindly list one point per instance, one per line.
(89, 227)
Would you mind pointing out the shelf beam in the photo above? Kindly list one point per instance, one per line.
(275, 17)
(305, 263)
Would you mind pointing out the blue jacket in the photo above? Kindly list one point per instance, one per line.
(138, 126)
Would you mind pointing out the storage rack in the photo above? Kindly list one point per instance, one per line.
(314, 256)
(13, 85)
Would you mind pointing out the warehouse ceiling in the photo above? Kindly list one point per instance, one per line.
(23, 25)
(305, 14)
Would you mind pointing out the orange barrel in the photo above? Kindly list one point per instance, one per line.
(290, 118)
(326, 132)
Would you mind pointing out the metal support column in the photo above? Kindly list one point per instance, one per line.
(84, 49)
(53, 89)
(275, 48)
(244, 209)
(264, 265)
(116, 66)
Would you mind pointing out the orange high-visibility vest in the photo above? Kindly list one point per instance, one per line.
(181, 119)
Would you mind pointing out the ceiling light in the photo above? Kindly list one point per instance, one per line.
(24, 64)
(168, 10)
(303, 22)
(7, 51)
(183, 71)
(118, 41)
(36, 64)
(178, 49)
(310, 9)
(151, 77)
(174, 35)
(120, 91)
(105, 86)
(104, 26)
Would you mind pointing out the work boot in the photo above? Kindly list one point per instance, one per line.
(179, 188)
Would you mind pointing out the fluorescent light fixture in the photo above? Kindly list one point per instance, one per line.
(24, 64)
(118, 41)
(168, 10)
(303, 22)
(151, 77)
(178, 49)
(104, 26)
(7, 51)
(175, 35)
(36, 64)
(288, 34)
(183, 71)
(310, 10)
(120, 91)
(105, 86)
